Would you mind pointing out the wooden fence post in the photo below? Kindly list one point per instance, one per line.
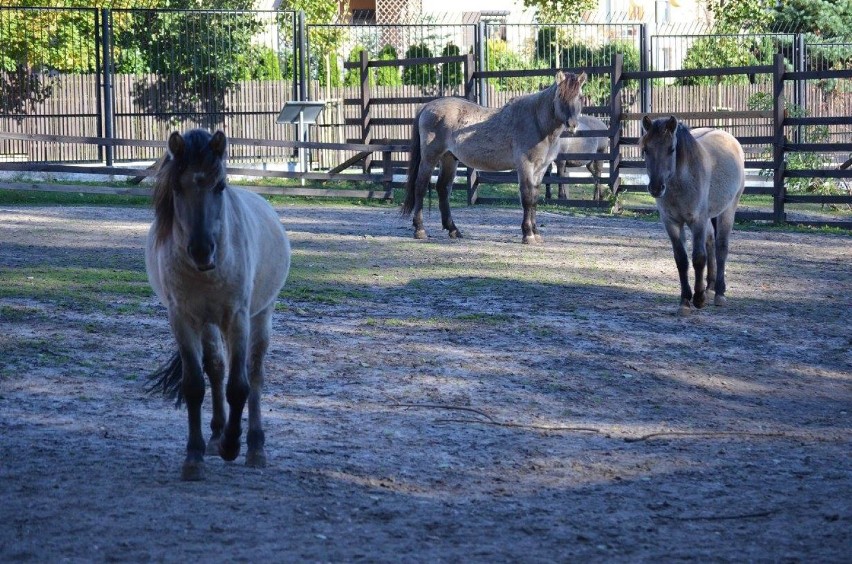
(366, 136)
(387, 174)
(616, 84)
(469, 90)
(778, 141)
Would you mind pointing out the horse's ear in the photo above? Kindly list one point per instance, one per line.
(581, 80)
(560, 76)
(646, 123)
(218, 144)
(176, 145)
(671, 124)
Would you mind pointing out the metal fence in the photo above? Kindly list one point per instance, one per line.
(138, 74)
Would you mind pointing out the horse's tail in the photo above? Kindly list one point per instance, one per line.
(413, 166)
(167, 380)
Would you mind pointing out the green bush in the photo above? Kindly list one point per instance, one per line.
(419, 75)
(452, 74)
(388, 76)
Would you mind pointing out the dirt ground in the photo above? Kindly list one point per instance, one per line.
(469, 400)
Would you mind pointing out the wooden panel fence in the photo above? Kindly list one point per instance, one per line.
(368, 126)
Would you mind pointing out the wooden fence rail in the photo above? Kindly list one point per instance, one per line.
(772, 148)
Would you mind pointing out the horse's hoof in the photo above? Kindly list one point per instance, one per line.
(256, 459)
(684, 310)
(229, 452)
(719, 300)
(699, 300)
(530, 240)
(420, 234)
(213, 445)
(538, 238)
(455, 234)
(192, 471)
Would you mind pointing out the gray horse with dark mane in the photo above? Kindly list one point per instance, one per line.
(697, 177)
(522, 135)
(216, 256)
(572, 144)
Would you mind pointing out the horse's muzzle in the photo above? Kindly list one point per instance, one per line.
(657, 190)
(203, 255)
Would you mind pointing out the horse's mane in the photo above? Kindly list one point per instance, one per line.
(686, 144)
(569, 88)
(164, 199)
(196, 150)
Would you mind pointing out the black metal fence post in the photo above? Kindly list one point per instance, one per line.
(799, 91)
(480, 47)
(366, 134)
(616, 84)
(303, 64)
(778, 140)
(108, 94)
(644, 66)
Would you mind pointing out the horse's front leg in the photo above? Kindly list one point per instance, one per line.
(699, 261)
(255, 438)
(192, 388)
(676, 236)
(237, 390)
(214, 366)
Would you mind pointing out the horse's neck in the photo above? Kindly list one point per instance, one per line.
(543, 113)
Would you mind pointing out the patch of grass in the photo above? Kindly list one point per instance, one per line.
(39, 198)
(76, 287)
(16, 313)
(486, 318)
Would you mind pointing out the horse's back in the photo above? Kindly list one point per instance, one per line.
(573, 144)
(262, 234)
(477, 136)
(726, 166)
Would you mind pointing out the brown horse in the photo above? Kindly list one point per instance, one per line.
(522, 135)
(216, 256)
(697, 177)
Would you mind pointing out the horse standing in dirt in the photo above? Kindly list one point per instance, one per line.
(697, 177)
(217, 257)
(583, 145)
(522, 135)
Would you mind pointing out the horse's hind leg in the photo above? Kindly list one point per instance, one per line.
(724, 226)
(255, 439)
(710, 247)
(424, 176)
(594, 167)
(214, 366)
(444, 187)
(560, 171)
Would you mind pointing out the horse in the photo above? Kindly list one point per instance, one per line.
(217, 257)
(522, 135)
(696, 177)
(574, 144)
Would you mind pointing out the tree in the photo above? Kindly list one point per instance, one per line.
(196, 57)
(741, 16)
(419, 75)
(560, 11)
(388, 76)
(826, 18)
(451, 73)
